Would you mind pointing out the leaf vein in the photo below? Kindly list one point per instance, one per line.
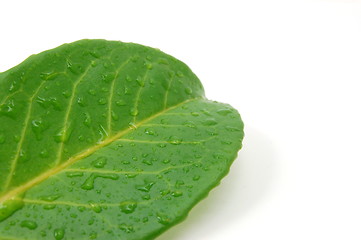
(67, 114)
(110, 102)
(22, 137)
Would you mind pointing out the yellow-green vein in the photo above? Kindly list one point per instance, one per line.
(110, 102)
(67, 114)
(22, 137)
(20, 189)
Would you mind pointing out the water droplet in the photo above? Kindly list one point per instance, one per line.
(29, 224)
(128, 78)
(81, 102)
(195, 114)
(149, 66)
(166, 161)
(232, 129)
(209, 122)
(14, 86)
(226, 142)
(163, 61)
(23, 155)
(177, 194)
(42, 233)
(140, 82)
(146, 197)
(93, 235)
(188, 90)
(49, 206)
(179, 74)
(189, 124)
(44, 153)
(48, 75)
(147, 162)
(115, 116)
(224, 112)
(175, 140)
(163, 219)
(7, 109)
(126, 228)
(81, 208)
(9, 207)
(162, 145)
(146, 187)
(38, 127)
(75, 68)
(95, 54)
(89, 182)
(74, 174)
(87, 120)
(196, 178)
(126, 91)
(59, 233)
(100, 162)
(50, 198)
(102, 101)
(134, 111)
(63, 135)
(149, 131)
(109, 77)
(66, 93)
(92, 92)
(128, 175)
(120, 103)
(91, 221)
(128, 207)
(95, 207)
(103, 133)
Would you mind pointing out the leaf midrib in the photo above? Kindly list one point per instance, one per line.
(20, 189)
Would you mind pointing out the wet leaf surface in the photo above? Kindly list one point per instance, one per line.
(107, 140)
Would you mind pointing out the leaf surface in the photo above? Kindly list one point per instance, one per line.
(107, 140)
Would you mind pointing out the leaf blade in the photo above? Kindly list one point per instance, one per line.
(143, 172)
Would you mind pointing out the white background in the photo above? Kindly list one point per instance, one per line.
(293, 70)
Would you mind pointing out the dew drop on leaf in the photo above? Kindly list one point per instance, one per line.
(100, 162)
(29, 224)
(163, 219)
(74, 174)
(44, 153)
(188, 90)
(149, 131)
(120, 103)
(174, 140)
(126, 228)
(146, 187)
(59, 233)
(177, 193)
(209, 122)
(81, 102)
(102, 101)
(224, 112)
(196, 178)
(134, 112)
(128, 207)
(95, 207)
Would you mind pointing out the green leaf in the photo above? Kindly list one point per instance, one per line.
(107, 140)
